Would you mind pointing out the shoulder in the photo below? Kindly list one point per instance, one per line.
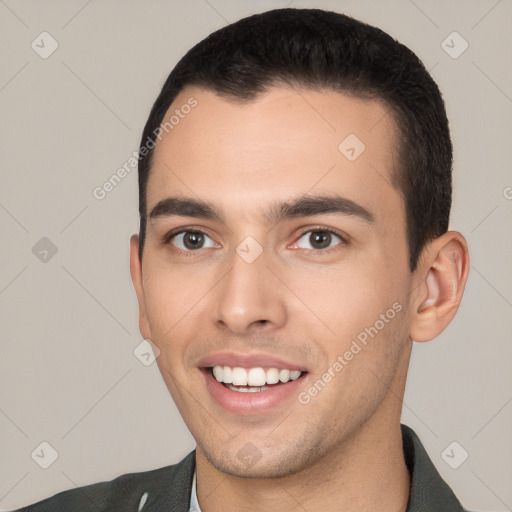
(166, 488)
(428, 490)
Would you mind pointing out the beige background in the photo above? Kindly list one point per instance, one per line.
(69, 324)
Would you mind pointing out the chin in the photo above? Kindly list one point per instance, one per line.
(248, 461)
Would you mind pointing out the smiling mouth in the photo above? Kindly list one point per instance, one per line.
(253, 380)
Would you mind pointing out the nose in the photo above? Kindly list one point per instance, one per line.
(249, 298)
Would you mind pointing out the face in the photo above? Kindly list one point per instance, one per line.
(275, 275)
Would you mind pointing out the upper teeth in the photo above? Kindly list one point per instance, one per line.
(253, 376)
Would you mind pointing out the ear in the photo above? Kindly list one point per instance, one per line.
(442, 275)
(136, 273)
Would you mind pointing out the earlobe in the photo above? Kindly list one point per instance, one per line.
(136, 273)
(445, 266)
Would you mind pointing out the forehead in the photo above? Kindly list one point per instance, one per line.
(283, 143)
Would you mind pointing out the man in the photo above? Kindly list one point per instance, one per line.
(295, 190)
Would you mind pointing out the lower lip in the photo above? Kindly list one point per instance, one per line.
(250, 403)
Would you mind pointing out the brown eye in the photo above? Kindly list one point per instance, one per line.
(318, 239)
(192, 240)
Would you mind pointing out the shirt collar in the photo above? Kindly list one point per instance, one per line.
(194, 504)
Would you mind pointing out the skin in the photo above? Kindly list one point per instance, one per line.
(294, 301)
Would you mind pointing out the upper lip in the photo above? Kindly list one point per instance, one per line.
(234, 359)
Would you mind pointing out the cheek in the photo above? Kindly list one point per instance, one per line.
(364, 355)
(172, 296)
(351, 297)
(363, 307)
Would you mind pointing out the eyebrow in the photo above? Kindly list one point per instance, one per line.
(303, 206)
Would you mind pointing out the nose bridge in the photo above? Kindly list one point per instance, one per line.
(248, 295)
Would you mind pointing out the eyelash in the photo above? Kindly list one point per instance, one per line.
(322, 229)
(190, 229)
(166, 240)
